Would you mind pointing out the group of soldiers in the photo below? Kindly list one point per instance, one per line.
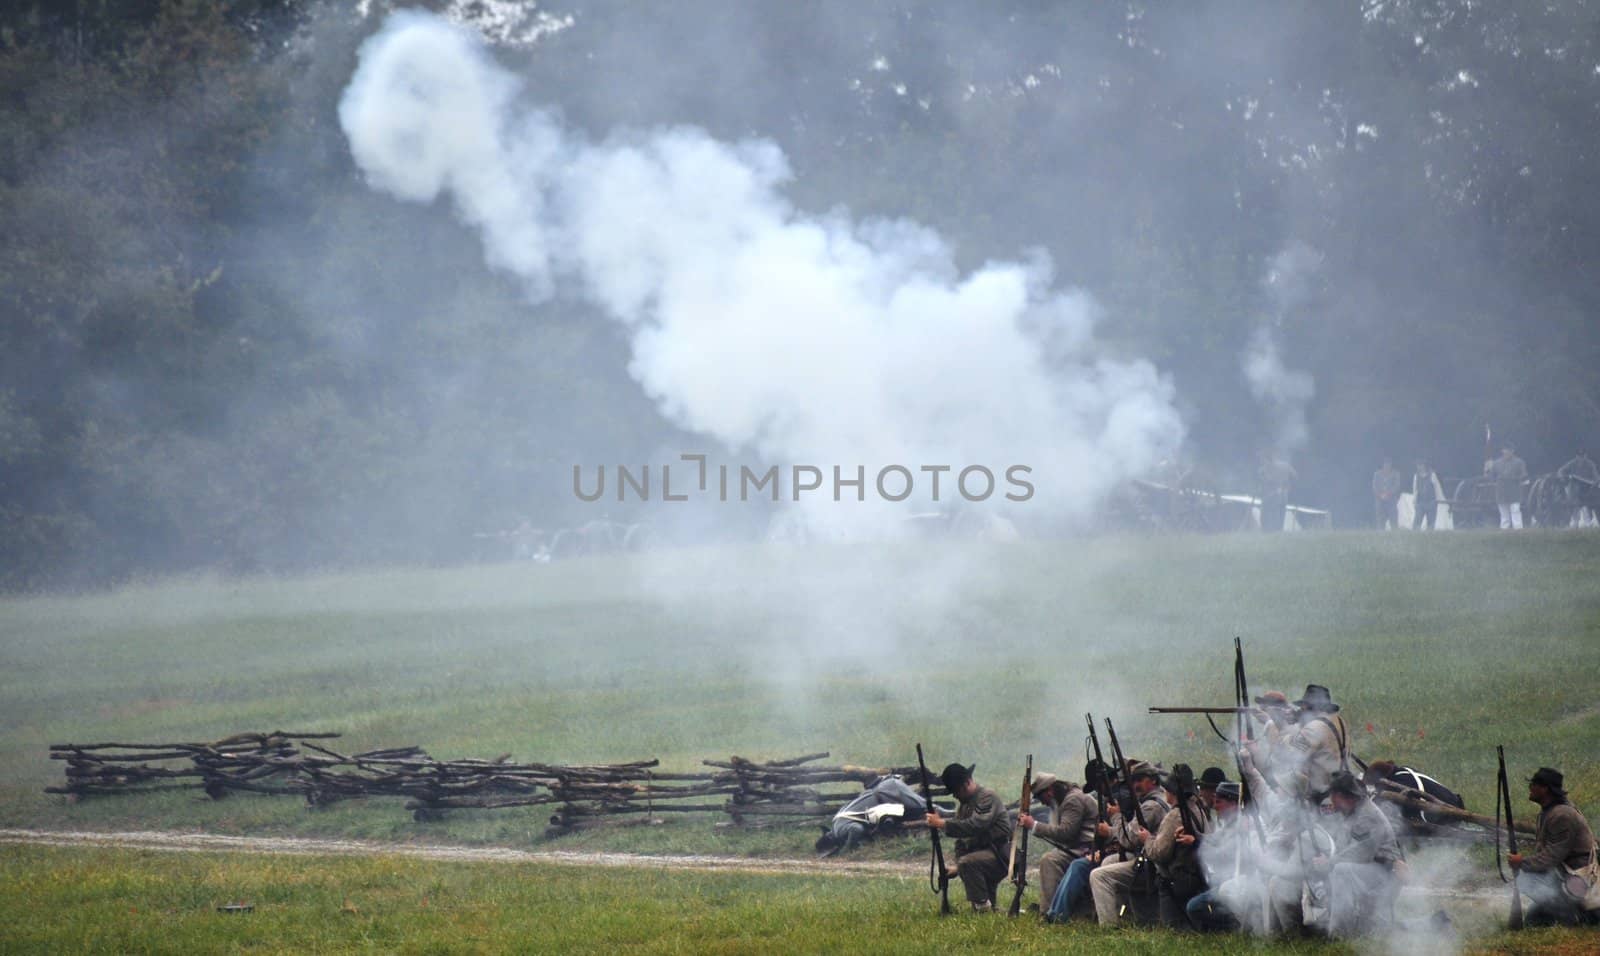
(1295, 844)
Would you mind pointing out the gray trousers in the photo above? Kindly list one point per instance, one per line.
(1109, 883)
(1360, 899)
(1052, 867)
(981, 872)
(1547, 902)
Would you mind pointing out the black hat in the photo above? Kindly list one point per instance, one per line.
(1317, 698)
(955, 775)
(1228, 790)
(1550, 778)
(1212, 776)
(1094, 771)
(1346, 783)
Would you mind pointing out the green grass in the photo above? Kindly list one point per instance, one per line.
(83, 900)
(1445, 644)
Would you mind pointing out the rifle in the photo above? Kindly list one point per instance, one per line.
(936, 864)
(1203, 710)
(1183, 779)
(1116, 754)
(1019, 858)
(1143, 886)
(1102, 790)
(1503, 794)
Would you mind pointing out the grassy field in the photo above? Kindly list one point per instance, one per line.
(115, 901)
(1438, 646)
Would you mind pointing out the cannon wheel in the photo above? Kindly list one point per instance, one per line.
(1469, 508)
(1548, 505)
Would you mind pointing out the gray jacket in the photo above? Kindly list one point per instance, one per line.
(980, 823)
(1508, 475)
(1367, 837)
(1563, 837)
(1075, 819)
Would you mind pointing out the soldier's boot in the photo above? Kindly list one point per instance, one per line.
(982, 906)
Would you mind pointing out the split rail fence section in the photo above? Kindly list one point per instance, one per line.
(750, 793)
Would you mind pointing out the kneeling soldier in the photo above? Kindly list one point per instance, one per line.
(1071, 835)
(1562, 852)
(982, 831)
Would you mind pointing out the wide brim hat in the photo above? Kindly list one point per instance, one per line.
(1273, 698)
(1228, 790)
(1346, 783)
(954, 775)
(1142, 768)
(1212, 776)
(1318, 697)
(1043, 782)
(1550, 778)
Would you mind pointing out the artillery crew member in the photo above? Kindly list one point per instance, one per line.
(1112, 884)
(1071, 832)
(1386, 484)
(1563, 851)
(1508, 472)
(1366, 863)
(982, 831)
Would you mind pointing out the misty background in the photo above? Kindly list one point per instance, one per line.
(1340, 231)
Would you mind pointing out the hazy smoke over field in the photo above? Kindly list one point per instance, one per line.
(1282, 391)
(790, 337)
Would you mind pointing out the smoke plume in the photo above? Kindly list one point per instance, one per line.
(791, 337)
(1283, 391)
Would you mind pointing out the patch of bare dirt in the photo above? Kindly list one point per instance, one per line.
(301, 846)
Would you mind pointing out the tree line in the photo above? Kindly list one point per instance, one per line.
(214, 352)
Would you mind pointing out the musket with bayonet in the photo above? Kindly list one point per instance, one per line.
(1019, 857)
(938, 879)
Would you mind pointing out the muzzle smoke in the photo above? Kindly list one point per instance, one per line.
(783, 335)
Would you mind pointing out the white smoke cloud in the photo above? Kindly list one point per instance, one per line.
(796, 338)
(1285, 392)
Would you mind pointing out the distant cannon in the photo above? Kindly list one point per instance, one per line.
(600, 536)
(1472, 503)
(1555, 499)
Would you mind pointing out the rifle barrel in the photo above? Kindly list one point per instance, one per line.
(1203, 710)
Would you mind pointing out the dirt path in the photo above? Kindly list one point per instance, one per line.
(300, 846)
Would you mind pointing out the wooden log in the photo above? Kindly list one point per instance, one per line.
(1407, 797)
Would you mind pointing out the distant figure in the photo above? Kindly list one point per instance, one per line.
(1386, 482)
(1584, 470)
(1424, 497)
(1508, 472)
(1275, 476)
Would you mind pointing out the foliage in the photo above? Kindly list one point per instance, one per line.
(218, 349)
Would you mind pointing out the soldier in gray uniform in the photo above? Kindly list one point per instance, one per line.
(1174, 849)
(1363, 873)
(1318, 748)
(982, 831)
(1111, 883)
(1071, 832)
(1508, 472)
(1562, 848)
